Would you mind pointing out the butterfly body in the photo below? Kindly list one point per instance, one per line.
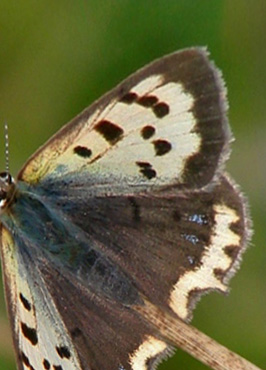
(126, 206)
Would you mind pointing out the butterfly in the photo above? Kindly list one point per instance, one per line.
(124, 217)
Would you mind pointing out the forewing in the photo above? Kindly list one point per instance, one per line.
(165, 124)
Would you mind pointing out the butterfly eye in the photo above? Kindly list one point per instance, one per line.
(7, 186)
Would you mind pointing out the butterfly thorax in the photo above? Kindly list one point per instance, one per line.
(7, 189)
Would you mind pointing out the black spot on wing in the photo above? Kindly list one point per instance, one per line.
(162, 146)
(25, 302)
(46, 364)
(161, 109)
(82, 151)
(29, 333)
(57, 367)
(147, 132)
(110, 131)
(147, 100)
(25, 360)
(63, 352)
(146, 170)
(129, 98)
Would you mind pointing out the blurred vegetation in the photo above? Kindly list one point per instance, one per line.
(56, 57)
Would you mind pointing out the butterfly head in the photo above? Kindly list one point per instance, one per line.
(7, 189)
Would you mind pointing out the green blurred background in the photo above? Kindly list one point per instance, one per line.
(56, 57)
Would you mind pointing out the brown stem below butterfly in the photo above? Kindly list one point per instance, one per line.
(186, 337)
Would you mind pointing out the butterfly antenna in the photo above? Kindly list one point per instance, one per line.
(6, 147)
